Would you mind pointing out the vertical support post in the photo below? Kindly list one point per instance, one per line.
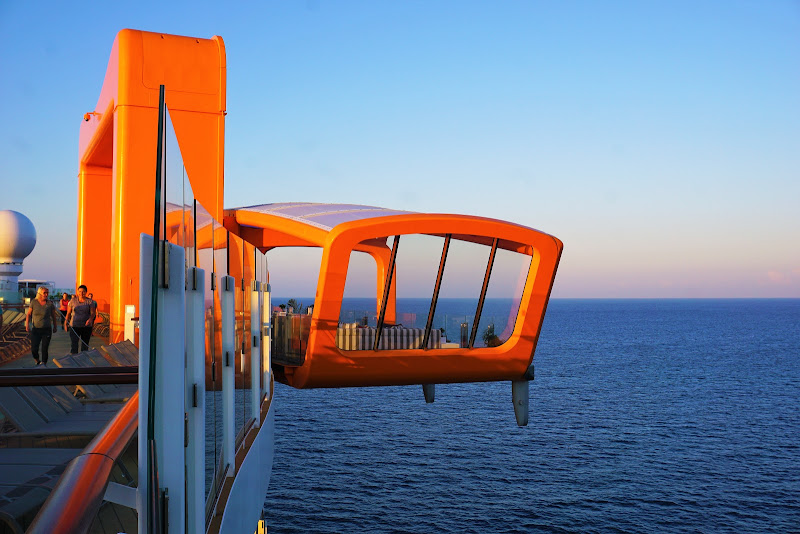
(133, 159)
(130, 327)
(386, 288)
(266, 346)
(482, 298)
(436, 288)
(255, 350)
(429, 390)
(169, 385)
(519, 396)
(95, 208)
(228, 330)
(195, 400)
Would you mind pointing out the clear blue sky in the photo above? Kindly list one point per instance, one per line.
(659, 140)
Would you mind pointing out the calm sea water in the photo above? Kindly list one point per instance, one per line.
(646, 416)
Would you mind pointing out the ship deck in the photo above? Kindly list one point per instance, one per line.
(32, 462)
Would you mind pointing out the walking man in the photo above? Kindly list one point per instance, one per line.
(81, 313)
(42, 314)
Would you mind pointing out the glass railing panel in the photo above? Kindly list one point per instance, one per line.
(221, 253)
(180, 210)
(209, 246)
(249, 267)
(416, 266)
(413, 287)
(236, 258)
(217, 242)
(205, 231)
(295, 270)
(359, 300)
(501, 307)
(221, 270)
(290, 337)
(175, 221)
(460, 290)
(261, 277)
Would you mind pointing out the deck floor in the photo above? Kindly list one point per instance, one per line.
(30, 465)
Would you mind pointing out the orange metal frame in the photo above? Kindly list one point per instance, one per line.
(116, 203)
(118, 154)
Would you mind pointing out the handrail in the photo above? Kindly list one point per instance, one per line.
(68, 377)
(62, 371)
(75, 500)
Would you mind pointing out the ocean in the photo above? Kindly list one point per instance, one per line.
(645, 416)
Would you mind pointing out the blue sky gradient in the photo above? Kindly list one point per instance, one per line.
(659, 141)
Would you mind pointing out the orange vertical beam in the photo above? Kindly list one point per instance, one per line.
(94, 233)
(133, 204)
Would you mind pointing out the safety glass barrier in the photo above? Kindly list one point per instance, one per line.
(241, 266)
(296, 271)
(434, 287)
(290, 337)
(211, 247)
(504, 293)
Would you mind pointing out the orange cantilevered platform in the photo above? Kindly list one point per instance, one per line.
(342, 229)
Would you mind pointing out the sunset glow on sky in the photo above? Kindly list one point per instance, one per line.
(659, 141)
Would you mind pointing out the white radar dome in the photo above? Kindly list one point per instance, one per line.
(17, 236)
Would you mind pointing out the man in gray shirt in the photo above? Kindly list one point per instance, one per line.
(81, 313)
(42, 314)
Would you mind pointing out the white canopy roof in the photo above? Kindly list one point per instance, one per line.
(323, 216)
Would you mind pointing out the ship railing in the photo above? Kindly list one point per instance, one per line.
(75, 500)
(290, 337)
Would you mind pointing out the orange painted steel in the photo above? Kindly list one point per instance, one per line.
(118, 154)
(116, 204)
(326, 365)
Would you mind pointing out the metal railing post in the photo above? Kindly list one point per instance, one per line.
(168, 402)
(130, 326)
(194, 400)
(256, 302)
(386, 292)
(228, 327)
(266, 346)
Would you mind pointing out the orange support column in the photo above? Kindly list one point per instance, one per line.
(135, 137)
(94, 233)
